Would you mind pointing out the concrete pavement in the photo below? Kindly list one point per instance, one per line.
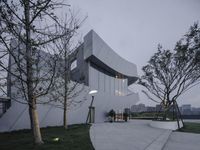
(183, 141)
(132, 135)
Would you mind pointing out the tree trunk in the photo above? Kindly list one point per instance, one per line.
(179, 114)
(29, 68)
(66, 78)
(36, 127)
(65, 114)
(30, 116)
(173, 115)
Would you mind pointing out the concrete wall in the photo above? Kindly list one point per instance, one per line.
(17, 116)
(172, 125)
(80, 73)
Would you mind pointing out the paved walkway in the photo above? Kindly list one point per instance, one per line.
(183, 141)
(132, 135)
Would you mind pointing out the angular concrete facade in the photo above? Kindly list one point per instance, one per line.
(97, 67)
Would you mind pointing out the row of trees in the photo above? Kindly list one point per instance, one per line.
(170, 73)
(38, 44)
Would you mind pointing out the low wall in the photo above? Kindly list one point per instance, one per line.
(172, 125)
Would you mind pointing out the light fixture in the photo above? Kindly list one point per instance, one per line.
(91, 107)
(93, 92)
(56, 139)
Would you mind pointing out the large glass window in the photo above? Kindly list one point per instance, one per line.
(112, 86)
(120, 87)
(125, 86)
(105, 83)
(116, 86)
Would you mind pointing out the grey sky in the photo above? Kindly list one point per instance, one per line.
(134, 28)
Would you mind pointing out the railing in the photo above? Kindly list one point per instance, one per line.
(5, 104)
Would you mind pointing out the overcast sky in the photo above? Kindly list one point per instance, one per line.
(134, 28)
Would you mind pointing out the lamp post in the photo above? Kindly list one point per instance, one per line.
(89, 116)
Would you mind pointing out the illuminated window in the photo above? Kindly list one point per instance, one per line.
(73, 65)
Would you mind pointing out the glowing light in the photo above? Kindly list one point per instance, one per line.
(56, 139)
(93, 92)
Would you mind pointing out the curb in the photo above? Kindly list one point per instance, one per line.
(92, 135)
(160, 142)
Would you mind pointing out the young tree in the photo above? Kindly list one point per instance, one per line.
(169, 74)
(65, 90)
(32, 27)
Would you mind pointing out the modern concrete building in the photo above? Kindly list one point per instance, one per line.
(97, 67)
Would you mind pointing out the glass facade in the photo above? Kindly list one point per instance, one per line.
(108, 84)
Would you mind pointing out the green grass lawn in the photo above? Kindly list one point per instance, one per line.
(74, 138)
(191, 127)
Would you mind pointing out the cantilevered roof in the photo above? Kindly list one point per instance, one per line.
(97, 51)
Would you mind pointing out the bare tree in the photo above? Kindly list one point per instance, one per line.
(65, 89)
(169, 74)
(32, 27)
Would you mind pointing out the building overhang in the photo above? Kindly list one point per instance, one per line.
(101, 55)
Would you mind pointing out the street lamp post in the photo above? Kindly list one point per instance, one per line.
(89, 116)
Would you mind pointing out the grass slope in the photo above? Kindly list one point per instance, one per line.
(74, 138)
(191, 127)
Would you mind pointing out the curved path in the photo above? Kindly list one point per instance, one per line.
(132, 135)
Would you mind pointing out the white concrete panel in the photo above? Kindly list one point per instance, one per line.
(101, 82)
(172, 125)
(94, 45)
(93, 80)
(17, 117)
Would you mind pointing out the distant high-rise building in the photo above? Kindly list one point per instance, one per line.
(186, 109)
(195, 111)
(150, 109)
(159, 108)
(138, 108)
